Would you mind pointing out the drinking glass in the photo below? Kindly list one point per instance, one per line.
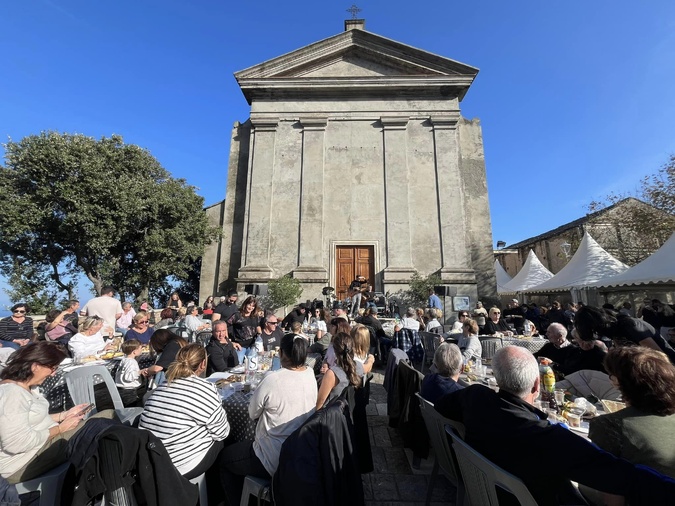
(559, 397)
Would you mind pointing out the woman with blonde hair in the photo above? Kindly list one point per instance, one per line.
(140, 328)
(340, 375)
(364, 360)
(187, 414)
(89, 340)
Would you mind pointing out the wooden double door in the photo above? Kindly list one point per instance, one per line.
(352, 261)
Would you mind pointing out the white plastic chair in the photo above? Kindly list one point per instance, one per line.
(49, 485)
(481, 477)
(80, 384)
(200, 481)
(257, 487)
(490, 345)
(444, 457)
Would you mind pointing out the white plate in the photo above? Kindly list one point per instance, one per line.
(237, 370)
(218, 376)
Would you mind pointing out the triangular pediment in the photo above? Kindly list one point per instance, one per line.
(356, 53)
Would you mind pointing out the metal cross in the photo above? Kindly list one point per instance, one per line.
(354, 10)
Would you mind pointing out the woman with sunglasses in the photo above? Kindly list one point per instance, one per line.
(495, 326)
(16, 330)
(140, 329)
(31, 440)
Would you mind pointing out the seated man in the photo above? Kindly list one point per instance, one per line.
(506, 428)
(448, 361)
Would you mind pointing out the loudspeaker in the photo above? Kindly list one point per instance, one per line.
(445, 291)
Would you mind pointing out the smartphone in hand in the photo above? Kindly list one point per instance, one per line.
(86, 409)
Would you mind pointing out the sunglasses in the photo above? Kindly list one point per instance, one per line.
(20, 311)
(144, 322)
(464, 315)
(273, 323)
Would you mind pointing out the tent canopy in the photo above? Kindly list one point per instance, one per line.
(502, 276)
(659, 267)
(589, 264)
(532, 274)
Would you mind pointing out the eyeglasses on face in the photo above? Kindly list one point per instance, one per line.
(20, 311)
(144, 322)
(273, 323)
(496, 312)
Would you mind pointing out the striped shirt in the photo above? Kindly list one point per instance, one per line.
(11, 330)
(188, 416)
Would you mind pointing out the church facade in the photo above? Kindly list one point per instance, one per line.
(355, 160)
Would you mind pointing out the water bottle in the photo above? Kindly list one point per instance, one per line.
(276, 363)
(252, 367)
(259, 344)
(527, 329)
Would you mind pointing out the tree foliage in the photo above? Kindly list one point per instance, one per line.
(31, 286)
(420, 286)
(638, 230)
(98, 207)
(283, 291)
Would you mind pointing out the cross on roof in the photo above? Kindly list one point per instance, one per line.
(354, 10)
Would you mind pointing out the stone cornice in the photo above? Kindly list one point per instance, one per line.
(313, 123)
(394, 122)
(445, 121)
(264, 124)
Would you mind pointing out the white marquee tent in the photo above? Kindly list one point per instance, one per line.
(502, 276)
(658, 268)
(533, 273)
(589, 264)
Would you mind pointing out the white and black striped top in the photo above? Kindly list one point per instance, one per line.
(188, 416)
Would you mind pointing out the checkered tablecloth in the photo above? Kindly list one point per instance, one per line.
(534, 345)
(54, 388)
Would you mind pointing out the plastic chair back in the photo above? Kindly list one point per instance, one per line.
(481, 477)
(200, 481)
(444, 456)
(430, 341)
(490, 346)
(257, 487)
(49, 485)
(81, 382)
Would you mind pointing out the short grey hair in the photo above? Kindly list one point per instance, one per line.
(410, 312)
(218, 323)
(448, 359)
(515, 369)
(559, 328)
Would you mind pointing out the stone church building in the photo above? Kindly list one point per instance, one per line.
(355, 160)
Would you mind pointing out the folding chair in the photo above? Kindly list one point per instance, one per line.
(81, 382)
(482, 477)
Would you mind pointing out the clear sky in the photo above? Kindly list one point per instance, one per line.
(575, 98)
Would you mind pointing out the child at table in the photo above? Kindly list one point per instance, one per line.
(129, 378)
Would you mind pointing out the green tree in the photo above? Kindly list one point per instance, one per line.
(282, 292)
(30, 285)
(420, 286)
(98, 207)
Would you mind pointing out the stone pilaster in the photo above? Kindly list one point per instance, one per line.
(259, 201)
(310, 261)
(455, 256)
(397, 203)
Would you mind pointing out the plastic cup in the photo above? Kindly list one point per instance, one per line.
(559, 397)
(574, 419)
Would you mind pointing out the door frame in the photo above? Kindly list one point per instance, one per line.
(332, 273)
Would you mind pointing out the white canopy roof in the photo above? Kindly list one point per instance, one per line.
(589, 264)
(659, 267)
(532, 274)
(502, 276)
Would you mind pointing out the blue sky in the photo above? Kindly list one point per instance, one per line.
(575, 98)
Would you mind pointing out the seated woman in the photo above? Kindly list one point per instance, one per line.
(340, 375)
(193, 322)
(166, 319)
(31, 440)
(221, 351)
(468, 343)
(282, 402)
(187, 414)
(126, 319)
(140, 329)
(89, 341)
(495, 326)
(642, 433)
(363, 359)
(434, 325)
(16, 330)
(58, 328)
(167, 345)
(448, 361)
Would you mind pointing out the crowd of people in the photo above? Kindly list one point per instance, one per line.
(186, 412)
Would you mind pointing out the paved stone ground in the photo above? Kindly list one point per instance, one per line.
(394, 481)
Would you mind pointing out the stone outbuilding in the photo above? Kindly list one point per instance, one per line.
(355, 160)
